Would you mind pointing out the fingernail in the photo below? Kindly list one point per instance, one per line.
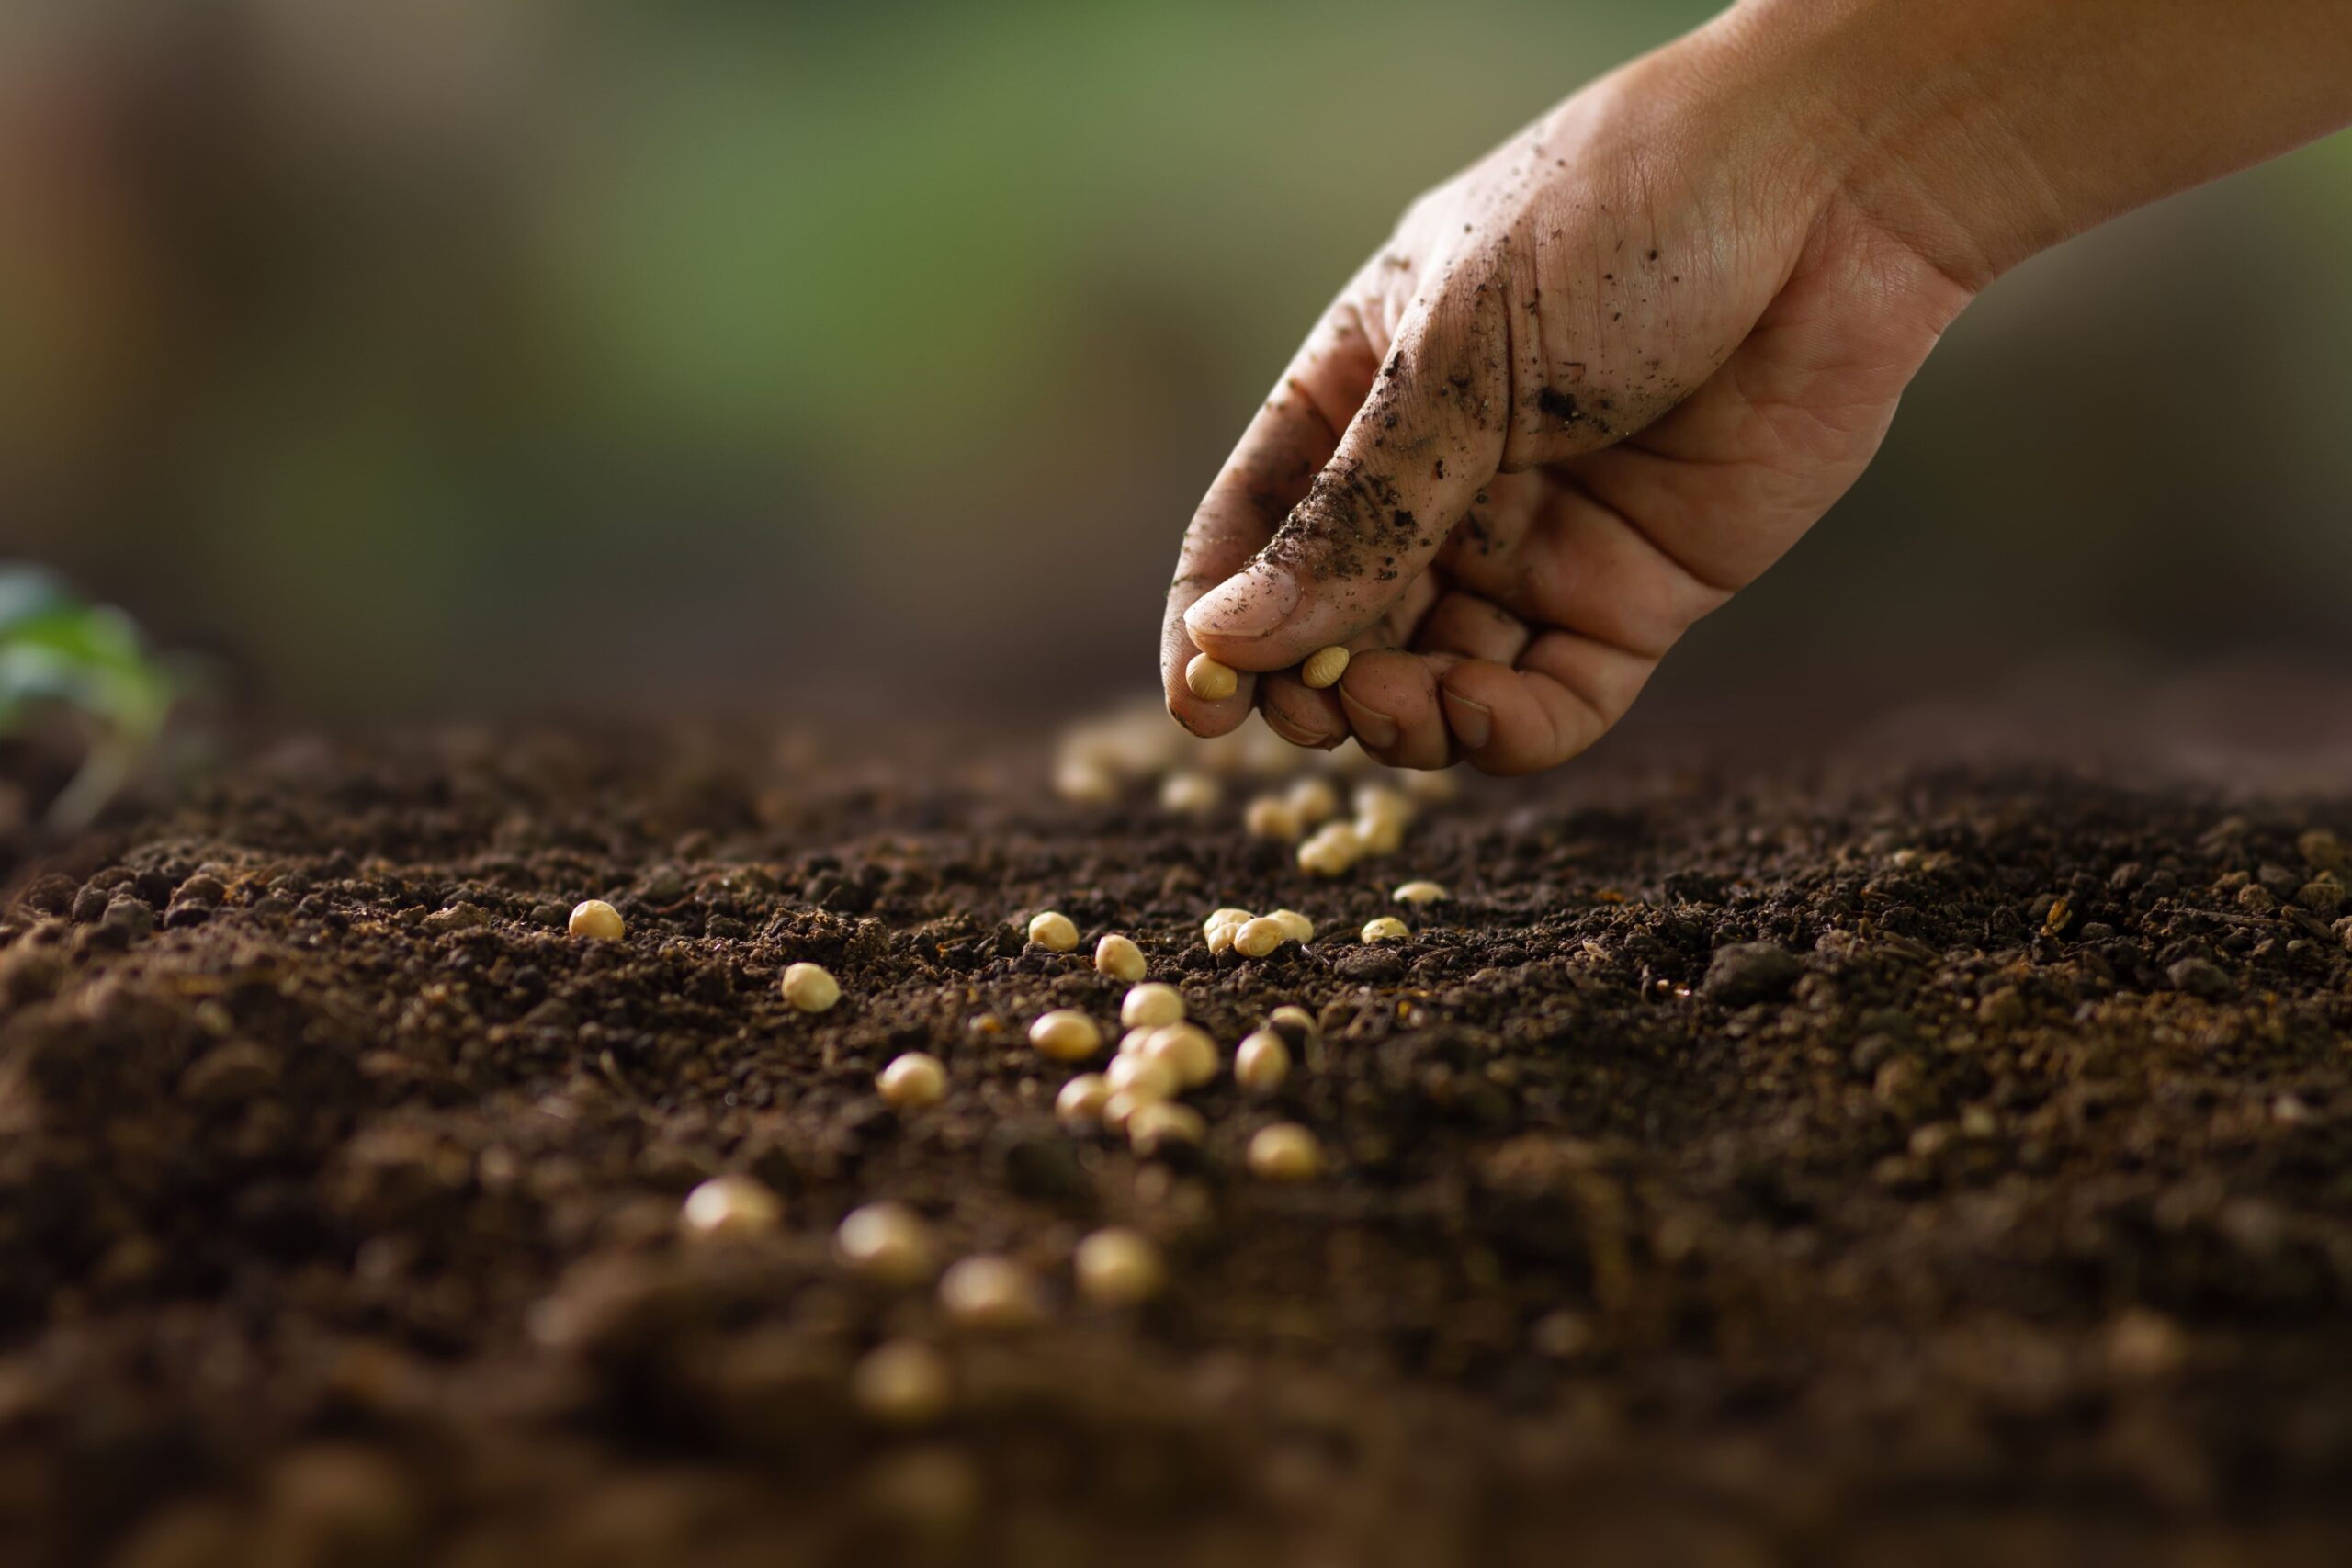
(1471, 723)
(1250, 603)
(1376, 730)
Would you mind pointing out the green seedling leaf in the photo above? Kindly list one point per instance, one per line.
(57, 653)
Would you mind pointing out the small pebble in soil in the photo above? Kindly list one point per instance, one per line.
(1120, 958)
(1262, 1062)
(1324, 667)
(887, 1242)
(810, 986)
(1269, 816)
(1143, 1078)
(1053, 931)
(903, 1383)
(1330, 850)
(912, 1081)
(1419, 893)
(985, 1291)
(1314, 799)
(1285, 1152)
(1209, 681)
(1164, 1125)
(1081, 1099)
(1117, 1267)
(1386, 928)
(1748, 972)
(1295, 927)
(731, 1206)
(1185, 1050)
(1188, 795)
(593, 919)
(1065, 1035)
(1257, 937)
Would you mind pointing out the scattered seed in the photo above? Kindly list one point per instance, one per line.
(1163, 1124)
(1269, 816)
(1384, 801)
(1330, 850)
(904, 1382)
(1149, 1006)
(1294, 1023)
(1388, 928)
(1118, 1267)
(1186, 1050)
(1142, 1077)
(1379, 835)
(1053, 930)
(1085, 783)
(1227, 916)
(1193, 795)
(1420, 893)
(1121, 1107)
(731, 1206)
(887, 1242)
(1133, 1040)
(1324, 667)
(1258, 937)
(1065, 1035)
(1082, 1099)
(1120, 958)
(1209, 681)
(986, 1292)
(1262, 1062)
(1295, 927)
(1285, 1152)
(1220, 936)
(810, 988)
(912, 1081)
(593, 919)
(1313, 799)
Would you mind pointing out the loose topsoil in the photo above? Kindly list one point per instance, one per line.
(1818, 1167)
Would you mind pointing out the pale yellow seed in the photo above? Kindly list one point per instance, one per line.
(1384, 801)
(1229, 915)
(1186, 1050)
(1295, 927)
(1379, 835)
(1164, 1125)
(731, 1206)
(1120, 958)
(810, 988)
(1432, 788)
(1324, 667)
(593, 919)
(1330, 850)
(902, 1383)
(1388, 928)
(1285, 1152)
(1262, 1062)
(1149, 1006)
(985, 1291)
(1085, 783)
(1220, 937)
(1053, 930)
(1190, 794)
(887, 1242)
(1120, 1109)
(1065, 1035)
(1118, 1267)
(1082, 1099)
(1314, 800)
(912, 1081)
(1133, 1040)
(1257, 938)
(1290, 1019)
(1143, 1078)
(1420, 893)
(1269, 816)
(1209, 681)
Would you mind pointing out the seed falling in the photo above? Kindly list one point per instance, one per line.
(1330, 850)
(1083, 781)
(1162, 1125)
(1388, 928)
(1379, 835)
(1065, 1035)
(593, 919)
(1324, 667)
(1420, 893)
(1186, 1050)
(1269, 816)
(1117, 1267)
(729, 1207)
(1209, 681)
(1314, 800)
(1384, 801)
(1295, 927)
(1149, 1006)
(904, 1382)
(1080, 1100)
(1120, 958)
(1258, 937)
(1285, 1152)
(986, 1292)
(1190, 794)
(1262, 1062)
(1053, 931)
(887, 1242)
(1143, 1078)
(810, 986)
(912, 1081)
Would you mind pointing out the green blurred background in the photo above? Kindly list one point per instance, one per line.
(461, 356)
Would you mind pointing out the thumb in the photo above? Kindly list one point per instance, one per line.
(1409, 467)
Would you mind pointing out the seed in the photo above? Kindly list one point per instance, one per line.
(1324, 667)
(731, 1206)
(1258, 937)
(1294, 1024)
(1118, 1267)
(1384, 801)
(1314, 800)
(1227, 916)
(1330, 850)
(1121, 1107)
(1186, 1050)
(1120, 958)
(593, 919)
(1082, 782)
(1065, 1035)
(902, 1383)
(1269, 816)
(1379, 835)
(1133, 1040)
(1082, 1099)
(1285, 1152)
(1262, 1062)
(1053, 930)
(887, 1242)
(912, 1081)
(1420, 893)
(1193, 795)
(1388, 928)
(810, 988)
(1143, 1078)
(1209, 681)
(1432, 788)
(1295, 927)
(1148, 1007)
(1163, 1124)
(990, 1292)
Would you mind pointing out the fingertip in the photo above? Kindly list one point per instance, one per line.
(1301, 714)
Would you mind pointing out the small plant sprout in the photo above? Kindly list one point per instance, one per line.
(1262, 1062)
(1185, 1050)
(1080, 1100)
(86, 662)
(1257, 937)
(903, 1383)
(729, 1208)
(1188, 795)
(1149, 1006)
(1420, 893)
(1330, 850)
(1285, 1152)
(1053, 931)
(1295, 927)
(1313, 799)
(1324, 667)
(989, 1292)
(1065, 1035)
(593, 919)
(1269, 816)
(887, 1242)
(1386, 928)
(1209, 681)
(1120, 958)
(810, 986)
(1162, 1124)
(1142, 1078)
(1116, 1267)
(912, 1081)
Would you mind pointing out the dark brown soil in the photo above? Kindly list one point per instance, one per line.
(1998, 1203)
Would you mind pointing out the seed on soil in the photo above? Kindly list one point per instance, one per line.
(1269, 816)
(1053, 931)
(1379, 835)
(1386, 801)
(1294, 1023)
(1143, 1078)
(1118, 1267)
(731, 1206)
(1209, 681)
(1186, 1050)
(887, 1242)
(1314, 799)
(1065, 1035)
(1191, 794)
(1388, 928)
(1162, 1124)
(1149, 1006)
(912, 1081)
(1227, 916)
(1419, 893)
(1285, 1152)
(1121, 1107)
(810, 988)
(1330, 850)
(903, 1383)
(1262, 1062)
(1295, 927)
(1120, 958)
(593, 919)
(986, 1292)
(1258, 937)
(1324, 667)
(1082, 1099)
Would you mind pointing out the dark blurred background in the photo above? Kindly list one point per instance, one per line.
(459, 356)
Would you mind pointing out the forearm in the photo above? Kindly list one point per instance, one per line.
(1982, 131)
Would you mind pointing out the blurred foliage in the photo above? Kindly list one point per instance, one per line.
(58, 654)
